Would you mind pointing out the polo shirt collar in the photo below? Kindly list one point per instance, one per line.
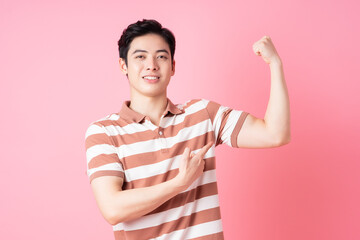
(128, 114)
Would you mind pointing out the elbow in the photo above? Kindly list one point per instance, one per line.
(113, 222)
(110, 218)
(283, 140)
(113, 219)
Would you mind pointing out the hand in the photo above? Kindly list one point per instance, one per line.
(191, 166)
(266, 49)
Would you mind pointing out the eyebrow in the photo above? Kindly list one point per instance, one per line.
(139, 50)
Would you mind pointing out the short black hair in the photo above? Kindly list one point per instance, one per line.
(141, 28)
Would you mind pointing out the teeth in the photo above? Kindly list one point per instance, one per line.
(151, 78)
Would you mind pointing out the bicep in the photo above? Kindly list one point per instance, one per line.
(254, 134)
(105, 188)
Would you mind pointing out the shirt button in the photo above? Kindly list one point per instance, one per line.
(160, 132)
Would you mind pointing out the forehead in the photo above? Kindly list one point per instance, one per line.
(150, 42)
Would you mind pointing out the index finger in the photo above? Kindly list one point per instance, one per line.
(205, 148)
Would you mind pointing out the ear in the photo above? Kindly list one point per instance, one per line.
(123, 66)
(173, 68)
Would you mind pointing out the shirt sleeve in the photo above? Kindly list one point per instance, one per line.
(226, 122)
(101, 153)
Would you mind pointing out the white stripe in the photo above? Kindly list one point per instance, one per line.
(218, 120)
(194, 108)
(128, 129)
(181, 106)
(205, 101)
(152, 145)
(229, 127)
(106, 167)
(199, 230)
(93, 129)
(114, 117)
(207, 177)
(98, 149)
(104, 118)
(170, 215)
(145, 171)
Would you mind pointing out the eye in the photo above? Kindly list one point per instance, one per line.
(163, 57)
(140, 56)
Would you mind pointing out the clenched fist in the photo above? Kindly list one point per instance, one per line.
(266, 49)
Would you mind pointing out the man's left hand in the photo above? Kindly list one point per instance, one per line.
(266, 49)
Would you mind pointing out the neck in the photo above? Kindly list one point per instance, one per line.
(153, 107)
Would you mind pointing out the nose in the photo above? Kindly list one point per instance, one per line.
(152, 64)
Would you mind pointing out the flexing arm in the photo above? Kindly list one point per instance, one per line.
(274, 129)
(119, 206)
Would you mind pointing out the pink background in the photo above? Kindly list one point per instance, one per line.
(59, 72)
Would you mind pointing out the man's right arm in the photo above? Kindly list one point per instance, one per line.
(119, 206)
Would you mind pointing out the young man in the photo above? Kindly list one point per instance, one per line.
(152, 164)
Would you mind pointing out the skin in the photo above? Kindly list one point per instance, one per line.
(151, 99)
(274, 129)
(148, 99)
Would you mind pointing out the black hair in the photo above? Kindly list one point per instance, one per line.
(141, 28)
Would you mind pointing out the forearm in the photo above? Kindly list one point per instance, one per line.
(133, 203)
(277, 116)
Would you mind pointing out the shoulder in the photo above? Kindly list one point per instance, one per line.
(108, 118)
(101, 124)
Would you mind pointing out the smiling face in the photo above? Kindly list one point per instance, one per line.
(149, 65)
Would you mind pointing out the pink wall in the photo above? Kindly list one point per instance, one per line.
(59, 72)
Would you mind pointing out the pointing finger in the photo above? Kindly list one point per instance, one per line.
(186, 152)
(204, 149)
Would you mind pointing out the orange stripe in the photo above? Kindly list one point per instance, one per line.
(157, 179)
(237, 128)
(103, 159)
(146, 158)
(120, 235)
(212, 108)
(98, 138)
(215, 236)
(181, 199)
(106, 173)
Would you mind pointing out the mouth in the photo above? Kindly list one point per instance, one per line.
(151, 79)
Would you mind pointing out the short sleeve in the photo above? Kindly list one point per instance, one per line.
(101, 153)
(226, 122)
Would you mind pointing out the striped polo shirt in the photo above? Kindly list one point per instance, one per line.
(128, 145)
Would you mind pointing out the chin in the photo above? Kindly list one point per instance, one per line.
(152, 92)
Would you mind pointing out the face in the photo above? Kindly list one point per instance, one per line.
(149, 66)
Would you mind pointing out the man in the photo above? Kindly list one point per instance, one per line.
(152, 164)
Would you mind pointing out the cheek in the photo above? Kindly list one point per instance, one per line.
(137, 67)
(134, 69)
